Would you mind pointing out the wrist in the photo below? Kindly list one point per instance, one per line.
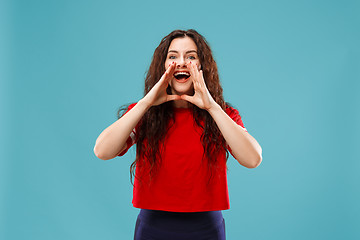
(144, 104)
(214, 107)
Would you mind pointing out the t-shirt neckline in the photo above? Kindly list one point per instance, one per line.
(182, 109)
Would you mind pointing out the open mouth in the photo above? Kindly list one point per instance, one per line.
(181, 76)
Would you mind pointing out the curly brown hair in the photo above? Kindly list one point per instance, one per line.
(151, 129)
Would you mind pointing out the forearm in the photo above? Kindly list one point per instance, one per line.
(113, 139)
(245, 149)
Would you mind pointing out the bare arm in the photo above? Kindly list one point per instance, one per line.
(245, 149)
(112, 141)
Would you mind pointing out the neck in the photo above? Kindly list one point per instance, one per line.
(181, 104)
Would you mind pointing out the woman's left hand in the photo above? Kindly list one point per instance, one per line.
(201, 97)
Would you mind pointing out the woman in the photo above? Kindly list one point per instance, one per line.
(182, 128)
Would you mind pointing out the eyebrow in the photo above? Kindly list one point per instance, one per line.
(190, 51)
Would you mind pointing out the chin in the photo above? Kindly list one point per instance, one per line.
(180, 90)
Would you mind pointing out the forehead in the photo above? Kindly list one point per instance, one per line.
(182, 44)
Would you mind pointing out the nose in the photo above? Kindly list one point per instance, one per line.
(181, 62)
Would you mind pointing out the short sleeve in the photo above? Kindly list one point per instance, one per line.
(131, 139)
(235, 116)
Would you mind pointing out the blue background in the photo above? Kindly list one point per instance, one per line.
(290, 67)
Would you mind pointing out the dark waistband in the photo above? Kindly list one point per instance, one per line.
(181, 220)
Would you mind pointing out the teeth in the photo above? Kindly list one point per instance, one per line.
(183, 73)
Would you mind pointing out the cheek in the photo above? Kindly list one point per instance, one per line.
(168, 62)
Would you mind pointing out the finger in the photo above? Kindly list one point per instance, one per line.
(169, 72)
(172, 66)
(188, 98)
(202, 80)
(165, 73)
(196, 70)
(199, 79)
(196, 75)
(172, 97)
(172, 70)
(193, 75)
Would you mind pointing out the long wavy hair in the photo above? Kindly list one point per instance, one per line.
(152, 128)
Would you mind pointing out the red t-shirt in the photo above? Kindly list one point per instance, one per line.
(181, 183)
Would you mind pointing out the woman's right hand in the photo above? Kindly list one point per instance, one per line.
(158, 95)
(112, 141)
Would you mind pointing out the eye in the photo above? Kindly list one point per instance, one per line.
(191, 57)
(171, 57)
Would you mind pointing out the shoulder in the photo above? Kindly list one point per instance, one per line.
(230, 110)
(234, 114)
(132, 105)
(124, 109)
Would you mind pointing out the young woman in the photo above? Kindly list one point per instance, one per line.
(183, 130)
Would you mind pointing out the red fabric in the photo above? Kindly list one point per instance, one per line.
(181, 182)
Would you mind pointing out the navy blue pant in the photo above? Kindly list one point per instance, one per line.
(162, 225)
